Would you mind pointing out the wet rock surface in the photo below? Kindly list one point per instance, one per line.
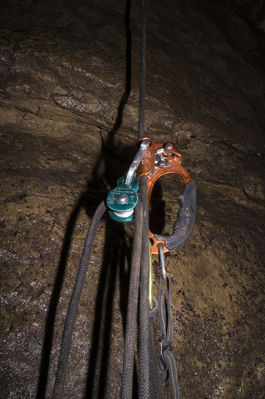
(67, 132)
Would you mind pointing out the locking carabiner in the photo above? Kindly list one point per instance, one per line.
(160, 160)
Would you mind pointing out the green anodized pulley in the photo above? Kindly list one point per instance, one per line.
(122, 200)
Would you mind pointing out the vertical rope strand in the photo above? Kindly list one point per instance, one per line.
(131, 322)
(141, 122)
(144, 361)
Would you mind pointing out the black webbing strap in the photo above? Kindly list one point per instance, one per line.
(167, 360)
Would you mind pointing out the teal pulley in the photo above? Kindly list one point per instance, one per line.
(123, 199)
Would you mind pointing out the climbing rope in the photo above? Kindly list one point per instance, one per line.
(130, 199)
(132, 308)
(74, 302)
(141, 121)
(144, 325)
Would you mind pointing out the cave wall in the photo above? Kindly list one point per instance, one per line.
(68, 123)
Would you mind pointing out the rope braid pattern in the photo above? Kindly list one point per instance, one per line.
(74, 302)
(131, 321)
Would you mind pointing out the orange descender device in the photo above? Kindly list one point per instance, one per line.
(159, 160)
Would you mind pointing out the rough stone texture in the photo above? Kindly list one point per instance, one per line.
(63, 94)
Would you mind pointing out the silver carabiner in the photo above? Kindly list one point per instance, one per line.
(162, 260)
(136, 161)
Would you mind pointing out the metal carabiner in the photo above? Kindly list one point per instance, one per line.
(162, 259)
(136, 161)
(160, 160)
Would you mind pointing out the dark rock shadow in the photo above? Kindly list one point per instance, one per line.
(116, 253)
(157, 207)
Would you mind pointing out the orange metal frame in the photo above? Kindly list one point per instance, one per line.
(147, 167)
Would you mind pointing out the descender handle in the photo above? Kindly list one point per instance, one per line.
(158, 161)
